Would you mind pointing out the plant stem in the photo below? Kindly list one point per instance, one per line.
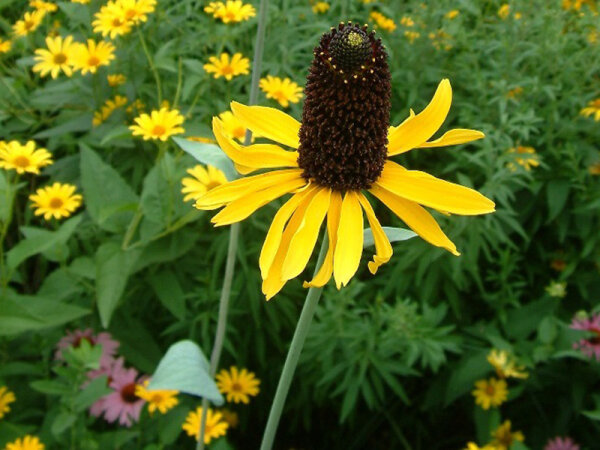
(291, 360)
(152, 66)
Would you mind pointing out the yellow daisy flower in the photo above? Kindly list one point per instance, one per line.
(231, 11)
(238, 386)
(411, 35)
(594, 169)
(504, 11)
(232, 127)
(83, 2)
(222, 66)
(116, 79)
(382, 21)
(526, 157)
(58, 201)
(592, 108)
(340, 150)
(6, 398)
(23, 158)
(58, 57)
(504, 438)
(111, 21)
(5, 46)
(490, 393)
(505, 365)
(215, 425)
(202, 181)
(136, 11)
(407, 22)
(25, 443)
(474, 446)
(284, 91)
(88, 58)
(320, 7)
(29, 23)
(160, 124)
(453, 14)
(41, 5)
(108, 108)
(157, 399)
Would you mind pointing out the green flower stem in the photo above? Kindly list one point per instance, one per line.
(152, 66)
(291, 360)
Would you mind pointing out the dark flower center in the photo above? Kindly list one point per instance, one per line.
(345, 120)
(128, 393)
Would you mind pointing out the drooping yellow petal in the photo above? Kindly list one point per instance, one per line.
(415, 217)
(349, 243)
(383, 248)
(428, 190)
(221, 195)
(305, 238)
(246, 205)
(391, 129)
(418, 129)
(333, 221)
(269, 122)
(274, 235)
(454, 137)
(253, 157)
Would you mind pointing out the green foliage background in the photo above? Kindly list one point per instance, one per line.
(390, 361)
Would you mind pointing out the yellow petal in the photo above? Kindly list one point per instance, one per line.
(416, 218)
(418, 129)
(454, 137)
(246, 205)
(274, 235)
(383, 248)
(269, 122)
(428, 190)
(305, 238)
(333, 221)
(221, 195)
(258, 156)
(349, 243)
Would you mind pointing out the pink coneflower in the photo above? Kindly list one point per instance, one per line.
(122, 403)
(74, 338)
(590, 346)
(559, 443)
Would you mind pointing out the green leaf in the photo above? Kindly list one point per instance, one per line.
(95, 389)
(79, 123)
(557, 194)
(486, 421)
(50, 387)
(185, 368)
(7, 196)
(62, 421)
(523, 321)
(168, 290)
(109, 199)
(208, 154)
(394, 234)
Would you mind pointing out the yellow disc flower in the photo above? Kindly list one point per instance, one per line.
(504, 438)
(474, 446)
(202, 181)
(25, 443)
(108, 108)
(232, 127)
(592, 109)
(490, 393)
(6, 398)
(58, 201)
(29, 23)
(58, 57)
(136, 11)
(83, 2)
(504, 11)
(111, 21)
(160, 124)
(215, 425)
(382, 21)
(453, 14)
(526, 157)
(157, 399)
(41, 5)
(505, 365)
(116, 79)
(222, 66)
(23, 158)
(88, 58)
(284, 91)
(238, 386)
(231, 11)
(5, 46)
(320, 7)
(341, 150)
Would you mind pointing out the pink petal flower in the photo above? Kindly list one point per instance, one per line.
(559, 443)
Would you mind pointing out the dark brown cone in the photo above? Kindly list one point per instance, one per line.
(345, 120)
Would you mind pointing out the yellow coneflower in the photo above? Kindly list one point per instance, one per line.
(26, 443)
(490, 393)
(23, 158)
(160, 124)
(382, 21)
(320, 7)
(41, 5)
(505, 365)
(56, 58)
(504, 438)
(215, 425)
(136, 11)
(341, 149)
(504, 11)
(108, 108)
(407, 21)
(233, 127)
(237, 385)
(453, 14)
(5, 46)
(116, 79)
(282, 90)
(222, 66)
(592, 109)
(88, 58)
(202, 181)
(58, 201)
(157, 399)
(111, 21)
(231, 11)
(412, 35)
(29, 23)
(6, 398)
(526, 157)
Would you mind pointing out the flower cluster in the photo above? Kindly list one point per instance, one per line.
(230, 11)
(118, 17)
(589, 346)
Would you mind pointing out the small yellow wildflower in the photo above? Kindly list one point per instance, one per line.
(504, 438)
(382, 21)
(88, 58)
(161, 400)
(136, 106)
(83, 2)
(108, 108)
(557, 289)
(411, 35)
(25, 443)
(116, 79)
(525, 157)
(518, 16)
(594, 169)
(453, 14)
(441, 40)
(202, 181)
(41, 5)
(490, 393)
(505, 365)
(223, 66)
(576, 5)
(504, 11)
(215, 425)
(6, 398)
(233, 127)
(58, 57)
(111, 21)
(160, 124)
(407, 22)
(474, 446)
(282, 90)
(515, 92)
(231, 11)
(320, 7)
(592, 108)
(58, 201)
(136, 11)
(23, 158)
(238, 386)
(5, 46)
(29, 23)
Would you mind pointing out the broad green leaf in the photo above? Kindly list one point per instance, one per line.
(486, 421)
(185, 368)
(64, 420)
(394, 235)
(50, 387)
(168, 290)
(523, 321)
(95, 389)
(557, 195)
(470, 368)
(208, 154)
(81, 122)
